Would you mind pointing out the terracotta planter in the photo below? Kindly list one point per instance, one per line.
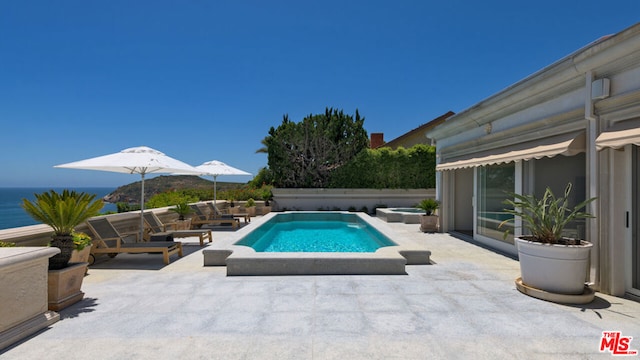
(182, 224)
(251, 210)
(429, 223)
(265, 210)
(80, 256)
(64, 286)
(560, 269)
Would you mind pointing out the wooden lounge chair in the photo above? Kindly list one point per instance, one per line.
(199, 218)
(217, 214)
(107, 240)
(157, 227)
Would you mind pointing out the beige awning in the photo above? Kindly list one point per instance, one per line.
(565, 144)
(617, 139)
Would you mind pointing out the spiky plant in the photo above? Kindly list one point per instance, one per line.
(428, 205)
(545, 218)
(182, 209)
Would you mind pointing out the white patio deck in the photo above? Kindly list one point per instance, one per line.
(463, 306)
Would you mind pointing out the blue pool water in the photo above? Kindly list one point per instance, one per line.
(316, 232)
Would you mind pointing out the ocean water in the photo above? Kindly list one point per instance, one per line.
(13, 215)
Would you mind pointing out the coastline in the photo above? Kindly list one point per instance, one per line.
(12, 215)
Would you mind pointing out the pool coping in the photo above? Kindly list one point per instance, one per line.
(389, 215)
(243, 260)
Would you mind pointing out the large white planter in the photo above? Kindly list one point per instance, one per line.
(560, 269)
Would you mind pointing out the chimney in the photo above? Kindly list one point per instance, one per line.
(377, 139)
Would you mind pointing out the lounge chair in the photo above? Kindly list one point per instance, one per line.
(159, 228)
(107, 240)
(199, 218)
(217, 214)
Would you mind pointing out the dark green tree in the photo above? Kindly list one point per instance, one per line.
(305, 154)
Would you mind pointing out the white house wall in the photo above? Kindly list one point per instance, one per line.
(553, 101)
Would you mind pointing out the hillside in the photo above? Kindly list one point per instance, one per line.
(131, 193)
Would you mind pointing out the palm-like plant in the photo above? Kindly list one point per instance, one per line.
(182, 209)
(545, 218)
(428, 205)
(62, 212)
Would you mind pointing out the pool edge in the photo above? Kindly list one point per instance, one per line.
(244, 261)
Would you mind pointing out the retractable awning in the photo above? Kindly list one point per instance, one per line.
(617, 138)
(565, 144)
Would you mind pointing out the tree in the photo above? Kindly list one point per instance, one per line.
(263, 149)
(305, 154)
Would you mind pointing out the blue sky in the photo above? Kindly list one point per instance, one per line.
(205, 80)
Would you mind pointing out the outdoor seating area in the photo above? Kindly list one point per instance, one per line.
(200, 218)
(107, 240)
(158, 228)
(217, 214)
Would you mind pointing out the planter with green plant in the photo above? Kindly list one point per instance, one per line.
(267, 195)
(429, 221)
(549, 261)
(182, 209)
(250, 205)
(62, 212)
(81, 247)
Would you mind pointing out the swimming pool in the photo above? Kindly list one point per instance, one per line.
(316, 232)
(240, 258)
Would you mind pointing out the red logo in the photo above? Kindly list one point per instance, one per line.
(614, 342)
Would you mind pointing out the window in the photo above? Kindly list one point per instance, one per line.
(494, 182)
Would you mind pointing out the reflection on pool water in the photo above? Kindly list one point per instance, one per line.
(315, 232)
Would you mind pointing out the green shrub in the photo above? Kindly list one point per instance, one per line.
(126, 207)
(384, 168)
(170, 198)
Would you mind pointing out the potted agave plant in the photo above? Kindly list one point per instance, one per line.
(63, 212)
(428, 221)
(550, 261)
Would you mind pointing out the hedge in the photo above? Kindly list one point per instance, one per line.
(385, 168)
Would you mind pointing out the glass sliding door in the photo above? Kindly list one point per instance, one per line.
(635, 219)
(493, 184)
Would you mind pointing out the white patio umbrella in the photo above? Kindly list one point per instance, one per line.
(216, 168)
(137, 160)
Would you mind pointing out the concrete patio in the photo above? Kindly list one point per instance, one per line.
(463, 306)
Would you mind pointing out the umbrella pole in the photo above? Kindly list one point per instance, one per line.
(215, 195)
(142, 209)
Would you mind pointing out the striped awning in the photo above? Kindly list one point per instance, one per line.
(565, 144)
